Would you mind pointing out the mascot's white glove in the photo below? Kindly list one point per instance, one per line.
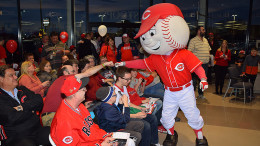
(203, 84)
(117, 64)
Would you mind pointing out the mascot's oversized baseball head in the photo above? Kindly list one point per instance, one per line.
(163, 29)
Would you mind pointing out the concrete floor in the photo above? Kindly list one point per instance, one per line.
(228, 122)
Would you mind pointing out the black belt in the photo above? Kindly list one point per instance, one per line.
(44, 114)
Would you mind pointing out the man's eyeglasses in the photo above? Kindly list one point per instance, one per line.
(114, 95)
(126, 79)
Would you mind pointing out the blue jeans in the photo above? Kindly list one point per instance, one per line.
(195, 78)
(156, 91)
(150, 131)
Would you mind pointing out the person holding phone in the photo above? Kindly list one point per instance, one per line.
(222, 57)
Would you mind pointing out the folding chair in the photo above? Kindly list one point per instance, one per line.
(235, 82)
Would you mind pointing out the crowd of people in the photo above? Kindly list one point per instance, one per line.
(216, 58)
(77, 96)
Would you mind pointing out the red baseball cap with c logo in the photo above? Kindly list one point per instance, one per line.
(155, 12)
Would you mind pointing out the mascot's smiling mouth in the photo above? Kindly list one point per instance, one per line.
(156, 46)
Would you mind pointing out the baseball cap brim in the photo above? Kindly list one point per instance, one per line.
(144, 27)
(84, 81)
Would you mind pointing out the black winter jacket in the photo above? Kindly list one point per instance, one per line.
(15, 123)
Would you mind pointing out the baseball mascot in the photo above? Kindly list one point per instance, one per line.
(164, 34)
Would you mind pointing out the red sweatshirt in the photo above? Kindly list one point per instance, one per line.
(109, 53)
(222, 61)
(95, 82)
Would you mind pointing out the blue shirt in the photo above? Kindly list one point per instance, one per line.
(11, 94)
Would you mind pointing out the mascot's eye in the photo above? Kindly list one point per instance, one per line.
(152, 32)
(142, 37)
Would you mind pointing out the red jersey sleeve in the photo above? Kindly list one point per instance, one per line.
(191, 61)
(149, 63)
(103, 50)
(139, 64)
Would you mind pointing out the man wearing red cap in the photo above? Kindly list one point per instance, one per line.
(72, 123)
(126, 51)
(164, 34)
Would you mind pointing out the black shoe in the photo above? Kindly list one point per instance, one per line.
(202, 142)
(171, 140)
(216, 93)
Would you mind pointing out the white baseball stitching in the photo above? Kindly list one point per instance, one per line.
(167, 34)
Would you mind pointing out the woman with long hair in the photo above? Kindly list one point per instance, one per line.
(46, 73)
(222, 57)
(109, 49)
(30, 80)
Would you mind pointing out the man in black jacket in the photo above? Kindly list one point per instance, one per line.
(86, 47)
(19, 124)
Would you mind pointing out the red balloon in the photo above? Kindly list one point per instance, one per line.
(64, 36)
(11, 46)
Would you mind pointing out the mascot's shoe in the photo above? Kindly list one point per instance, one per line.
(171, 140)
(202, 142)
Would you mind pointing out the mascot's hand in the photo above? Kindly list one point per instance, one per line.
(117, 64)
(203, 84)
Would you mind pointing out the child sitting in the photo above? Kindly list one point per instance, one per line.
(112, 118)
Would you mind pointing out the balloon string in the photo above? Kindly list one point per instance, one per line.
(64, 49)
(12, 57)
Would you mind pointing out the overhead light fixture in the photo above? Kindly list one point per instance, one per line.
(231, 21)
(228, 25)
(234, 17)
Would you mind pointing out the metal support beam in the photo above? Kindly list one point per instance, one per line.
(87, 16)
(72, 22)
(206, 15)
(249, 26)
(41, 15)
(202, 16)
(19, 35)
